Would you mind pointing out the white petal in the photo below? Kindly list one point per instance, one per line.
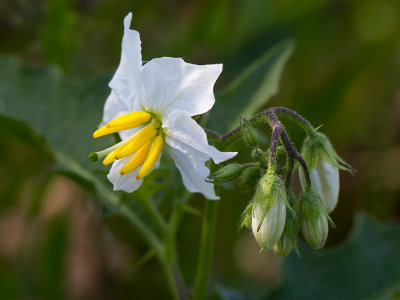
(126, 81)
(113, 108)
(191, 164)
(325, 181)
(328, 177)
(128, 182)
(172, 84)
(272, 225)
(182, 127)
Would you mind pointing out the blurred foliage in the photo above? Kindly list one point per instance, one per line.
(344, 74)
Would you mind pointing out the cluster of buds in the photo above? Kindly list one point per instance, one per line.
(275, 214)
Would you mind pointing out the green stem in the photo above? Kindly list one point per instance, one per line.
(206, 249)
(171, 280)
(157, 218)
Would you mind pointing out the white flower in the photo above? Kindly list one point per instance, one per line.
(325, 181)
(151, 106)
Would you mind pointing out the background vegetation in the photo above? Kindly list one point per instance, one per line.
(57, 240)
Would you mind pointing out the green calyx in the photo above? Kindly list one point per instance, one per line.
(317, 146)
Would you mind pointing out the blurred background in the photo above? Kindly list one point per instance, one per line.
(344, 75)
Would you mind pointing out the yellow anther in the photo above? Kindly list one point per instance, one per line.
(137, 159)
(133, 119)
(138, 141)
(124, 122)
(110, 158)
(152, 157)
(107, 130)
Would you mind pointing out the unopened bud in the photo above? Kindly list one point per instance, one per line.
(249, 133)
(314, 220)
(289, 235)
(324, 164)
(269, 210)
(227, 173)
(325, 181)
(250, 176)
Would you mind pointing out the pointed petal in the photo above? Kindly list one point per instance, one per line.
(172, 84)
(191, 164)
(182, 127)
(126, 81)
(127, 183)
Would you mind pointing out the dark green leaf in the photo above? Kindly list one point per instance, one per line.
(252, 89)
(366, 265)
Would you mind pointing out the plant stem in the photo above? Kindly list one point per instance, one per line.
(152, 211)
(171, 280)
(304, 124)
(206, 249)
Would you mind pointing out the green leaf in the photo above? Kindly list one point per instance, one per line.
(62, 109)
(366, 265)
(251, 90)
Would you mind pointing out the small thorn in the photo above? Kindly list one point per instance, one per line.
(121, 173)
(137, 177)
(108, 125)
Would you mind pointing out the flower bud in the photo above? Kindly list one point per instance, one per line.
(289, 235)
(324, 164)
(227, 173)
(250, 176)
(284, 246)
(249, 133)
(268, 226)
(325, 181)
(314, 220)
(269, 210)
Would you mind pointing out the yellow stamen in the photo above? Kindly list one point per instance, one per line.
(152, 157)
(132, 119)
(137, 159)
(110, 157)
(106, 130)
(124, 122)
(138, 141)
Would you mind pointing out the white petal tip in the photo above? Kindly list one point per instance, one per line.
(127, 20)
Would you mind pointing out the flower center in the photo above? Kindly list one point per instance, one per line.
(146, 143)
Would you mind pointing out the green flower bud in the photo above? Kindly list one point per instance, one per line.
(250, 176)
(284, 245)
(227, 173)
(325, 181)
(314, 219)
(249, 133)
(289, 235)
(269, 210)
(324, 164)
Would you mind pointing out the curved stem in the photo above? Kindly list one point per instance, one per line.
(206, 249)
(304, 124)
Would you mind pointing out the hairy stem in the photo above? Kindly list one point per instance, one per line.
(307, 127)
(269, 116)
(206, 249)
